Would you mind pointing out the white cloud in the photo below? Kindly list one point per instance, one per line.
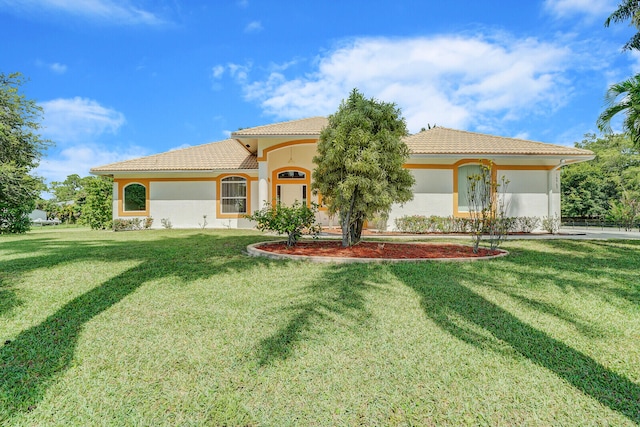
(253, 27)
(120, 12)
(58, 68)
(589, 8)
(450, 80)
(75, 119)
(80, 158)
(55, 67)
(180, 147)
(217, 71)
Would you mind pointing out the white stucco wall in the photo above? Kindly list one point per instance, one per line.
(433, 195)
(183, 203)
(527, 192)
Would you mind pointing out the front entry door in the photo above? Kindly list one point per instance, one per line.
(288, 194)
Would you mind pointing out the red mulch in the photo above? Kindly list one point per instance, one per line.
(333, 248)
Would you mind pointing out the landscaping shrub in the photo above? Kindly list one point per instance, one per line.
(551, 224)
(526, 224)
(290, 220)
(132, 224)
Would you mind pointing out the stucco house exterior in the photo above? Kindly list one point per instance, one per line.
(227, 179)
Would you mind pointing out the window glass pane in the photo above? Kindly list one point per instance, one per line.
(234, 189)
(234, 206)
(291, 175)
(135, 198)
(464, 172)
(233, 196)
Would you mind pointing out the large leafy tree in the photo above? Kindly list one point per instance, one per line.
(21, 148)
(69, 190)
(590, 189)
(98, 205)
(359, 163)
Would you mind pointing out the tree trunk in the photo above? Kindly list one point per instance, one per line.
(346, 223)
(356, 231)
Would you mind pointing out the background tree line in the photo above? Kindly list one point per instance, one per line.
(76, 200)
(606, 188)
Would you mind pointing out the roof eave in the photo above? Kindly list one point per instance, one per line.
(271, 136)
(581, 157)
(164, 171)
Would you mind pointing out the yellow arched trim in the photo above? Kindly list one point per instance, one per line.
(275, 181)
(464, 162)
(267, 150)
(219, 179)
(122, 183)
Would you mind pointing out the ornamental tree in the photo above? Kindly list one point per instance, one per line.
(20, 150)
(98, 205)
(290, 220)
(359, 163)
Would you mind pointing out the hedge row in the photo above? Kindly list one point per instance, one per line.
(132, 224)
(419, 224)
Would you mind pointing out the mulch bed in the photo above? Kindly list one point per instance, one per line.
(333, 248)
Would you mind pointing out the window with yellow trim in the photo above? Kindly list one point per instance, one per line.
(135, 198)
(234, 195)
(464, 173)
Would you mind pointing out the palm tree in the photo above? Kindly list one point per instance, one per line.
(627, 10)
(623, 97)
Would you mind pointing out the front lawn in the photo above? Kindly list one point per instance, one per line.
(180, 327)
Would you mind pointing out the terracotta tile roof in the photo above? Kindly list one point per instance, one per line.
(310, 126)
(441, 140)
(227, 154)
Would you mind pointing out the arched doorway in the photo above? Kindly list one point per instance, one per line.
(291, 184)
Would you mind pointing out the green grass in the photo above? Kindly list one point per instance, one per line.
(175, 327)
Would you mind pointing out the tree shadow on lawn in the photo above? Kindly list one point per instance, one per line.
(37, 356)
(611, 268)
(338, 296)
(447, 299)
(8, 298)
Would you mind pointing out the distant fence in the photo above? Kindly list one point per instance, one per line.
(596, 223)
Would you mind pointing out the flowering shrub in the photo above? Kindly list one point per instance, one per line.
(290, 220)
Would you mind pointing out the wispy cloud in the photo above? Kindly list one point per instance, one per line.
(58, 68)
(253, 27)
(55, 67)
(79, 159)
(475, 81)
(589, 8)
(69, 120)
(118, 12)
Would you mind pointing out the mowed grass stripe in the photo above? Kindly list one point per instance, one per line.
(169, 327)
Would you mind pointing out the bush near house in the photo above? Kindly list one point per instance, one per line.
(292, 220)
(420, 224)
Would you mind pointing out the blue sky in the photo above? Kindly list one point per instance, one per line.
(126, 78)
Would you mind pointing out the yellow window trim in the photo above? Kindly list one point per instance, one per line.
(219, 213)
(122, 183)
(275, 181)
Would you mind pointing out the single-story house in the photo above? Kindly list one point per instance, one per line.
(225, 180)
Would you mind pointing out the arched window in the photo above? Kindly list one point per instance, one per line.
(234, 195)
(135, 198)
(292, 175)
(464, 173)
